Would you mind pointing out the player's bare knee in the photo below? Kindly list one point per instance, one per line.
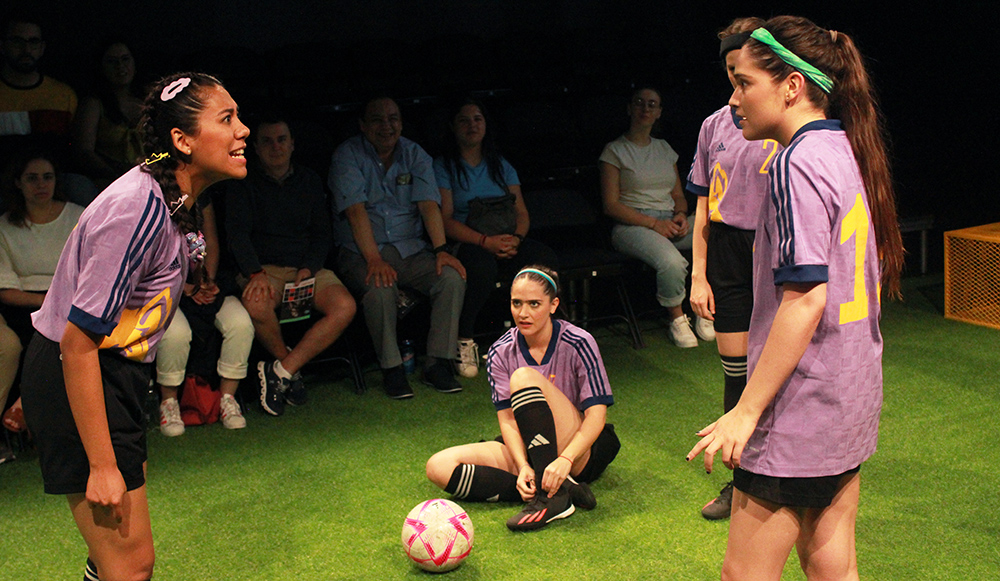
(525, 377)
(439, 468)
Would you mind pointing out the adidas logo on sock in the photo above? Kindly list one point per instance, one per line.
(538, 440)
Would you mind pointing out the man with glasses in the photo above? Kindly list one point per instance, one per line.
(30, 102)
(385, 198)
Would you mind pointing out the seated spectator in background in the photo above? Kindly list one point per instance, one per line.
(278, 226)
(202, 308)
(106, 139)
(30, 102)
(10, 360)
(642, 193)
(483, 211)
(385, 196)
(32, 235)
(35, 110)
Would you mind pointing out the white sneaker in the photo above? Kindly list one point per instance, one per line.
(171, 423)
(232, 417)
(467, 364)
(704, 328)
(681, 333)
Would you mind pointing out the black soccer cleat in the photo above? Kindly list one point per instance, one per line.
(581, 494)
(542, 510)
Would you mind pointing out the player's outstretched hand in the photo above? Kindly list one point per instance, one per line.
(728, 435)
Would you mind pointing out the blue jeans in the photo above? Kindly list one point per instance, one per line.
(659, 253)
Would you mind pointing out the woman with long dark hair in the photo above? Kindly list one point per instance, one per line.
(828, 243)
(484, 212)
(107, 140)
(116, 287)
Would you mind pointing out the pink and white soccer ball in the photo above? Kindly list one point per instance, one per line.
(437, 535)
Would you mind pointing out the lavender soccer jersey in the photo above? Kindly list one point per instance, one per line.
(120, 274)
(730, 170)
(572, 363)
(815, 228)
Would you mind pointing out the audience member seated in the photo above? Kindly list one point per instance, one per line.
(35, 110)
(278, 226)
(202, 308)
(642, 193)
(10, 360)
(106, 140)
(32, 235)
(385, 197)
(483, 211)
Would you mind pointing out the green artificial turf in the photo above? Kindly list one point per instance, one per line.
(321, 492)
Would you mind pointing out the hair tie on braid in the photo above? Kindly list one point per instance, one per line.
(156, 157)
(176, 205)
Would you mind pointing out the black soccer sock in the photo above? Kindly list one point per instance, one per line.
(735, 369)
(537, 427)
(90, 573)
(482, 483)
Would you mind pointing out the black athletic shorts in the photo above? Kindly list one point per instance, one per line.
(815, 492)
(729, 270)
(65, 469)
(602, 452)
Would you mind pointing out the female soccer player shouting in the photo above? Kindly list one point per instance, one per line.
(116, 287)
(828, 242)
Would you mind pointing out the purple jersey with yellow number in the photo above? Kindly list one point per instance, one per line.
(815, 228)
(572, 363)
(730, 170)
(121, 274)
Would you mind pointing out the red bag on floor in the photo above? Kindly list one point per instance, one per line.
(199, 402)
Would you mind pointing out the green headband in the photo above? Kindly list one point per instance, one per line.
(812, 73)
(548, 278)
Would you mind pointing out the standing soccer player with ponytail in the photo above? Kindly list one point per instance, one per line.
(117, 285)
(827, 244)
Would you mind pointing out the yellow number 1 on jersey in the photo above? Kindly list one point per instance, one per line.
(855, 224)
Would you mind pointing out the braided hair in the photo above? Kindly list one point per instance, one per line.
(173, 103)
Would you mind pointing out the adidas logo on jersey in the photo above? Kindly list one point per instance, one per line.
(538, 440)
(722, 147)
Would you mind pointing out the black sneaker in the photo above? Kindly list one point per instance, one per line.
(396, 385)
(581, 495)
(441, 377)
(272, 389)
(296, 394)
(721, 506)
(542, 510)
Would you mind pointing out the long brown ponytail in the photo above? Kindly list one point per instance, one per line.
(853, 101)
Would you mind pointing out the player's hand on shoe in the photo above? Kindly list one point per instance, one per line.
(555, 474)
(728, 435)
(526, 483)
(105, 490)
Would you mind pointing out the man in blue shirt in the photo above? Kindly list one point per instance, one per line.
(385, 198)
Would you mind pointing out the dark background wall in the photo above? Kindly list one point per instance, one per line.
(933, 67)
